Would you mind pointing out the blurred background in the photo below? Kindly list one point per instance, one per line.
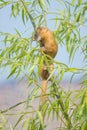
(9, 24)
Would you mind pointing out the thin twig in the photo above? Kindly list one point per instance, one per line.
(20, 103)
(10, 108)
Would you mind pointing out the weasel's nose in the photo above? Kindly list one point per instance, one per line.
(35, 37)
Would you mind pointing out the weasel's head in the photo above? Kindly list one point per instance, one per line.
(37, 35)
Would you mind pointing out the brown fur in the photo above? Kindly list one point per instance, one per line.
(47, 41)
(48, 46)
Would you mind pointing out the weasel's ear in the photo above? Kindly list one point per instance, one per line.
(39, 28)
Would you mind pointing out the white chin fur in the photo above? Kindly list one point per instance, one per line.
(39, 38)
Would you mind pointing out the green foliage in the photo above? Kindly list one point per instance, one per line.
(24, 59)
(69, 28)
(3, 123)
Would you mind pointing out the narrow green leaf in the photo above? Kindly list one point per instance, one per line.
(12, 72)
(48, 2)
(41, 62)
(84, 126)
(79, 2)
(40, 118)
(32, 69)
(42, 4)
(3, 118)
(71, 52)
(78, 17)
(19, 120)
(74, 70)
(3, 53)
(18, 73)
(45, 108)
(35, 93)
(73, 2)
(51, 74)
(62, 74)
(2, 1)
(23, 15)
(18, 32)
(49, 112)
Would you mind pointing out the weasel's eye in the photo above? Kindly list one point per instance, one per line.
(36, 36)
